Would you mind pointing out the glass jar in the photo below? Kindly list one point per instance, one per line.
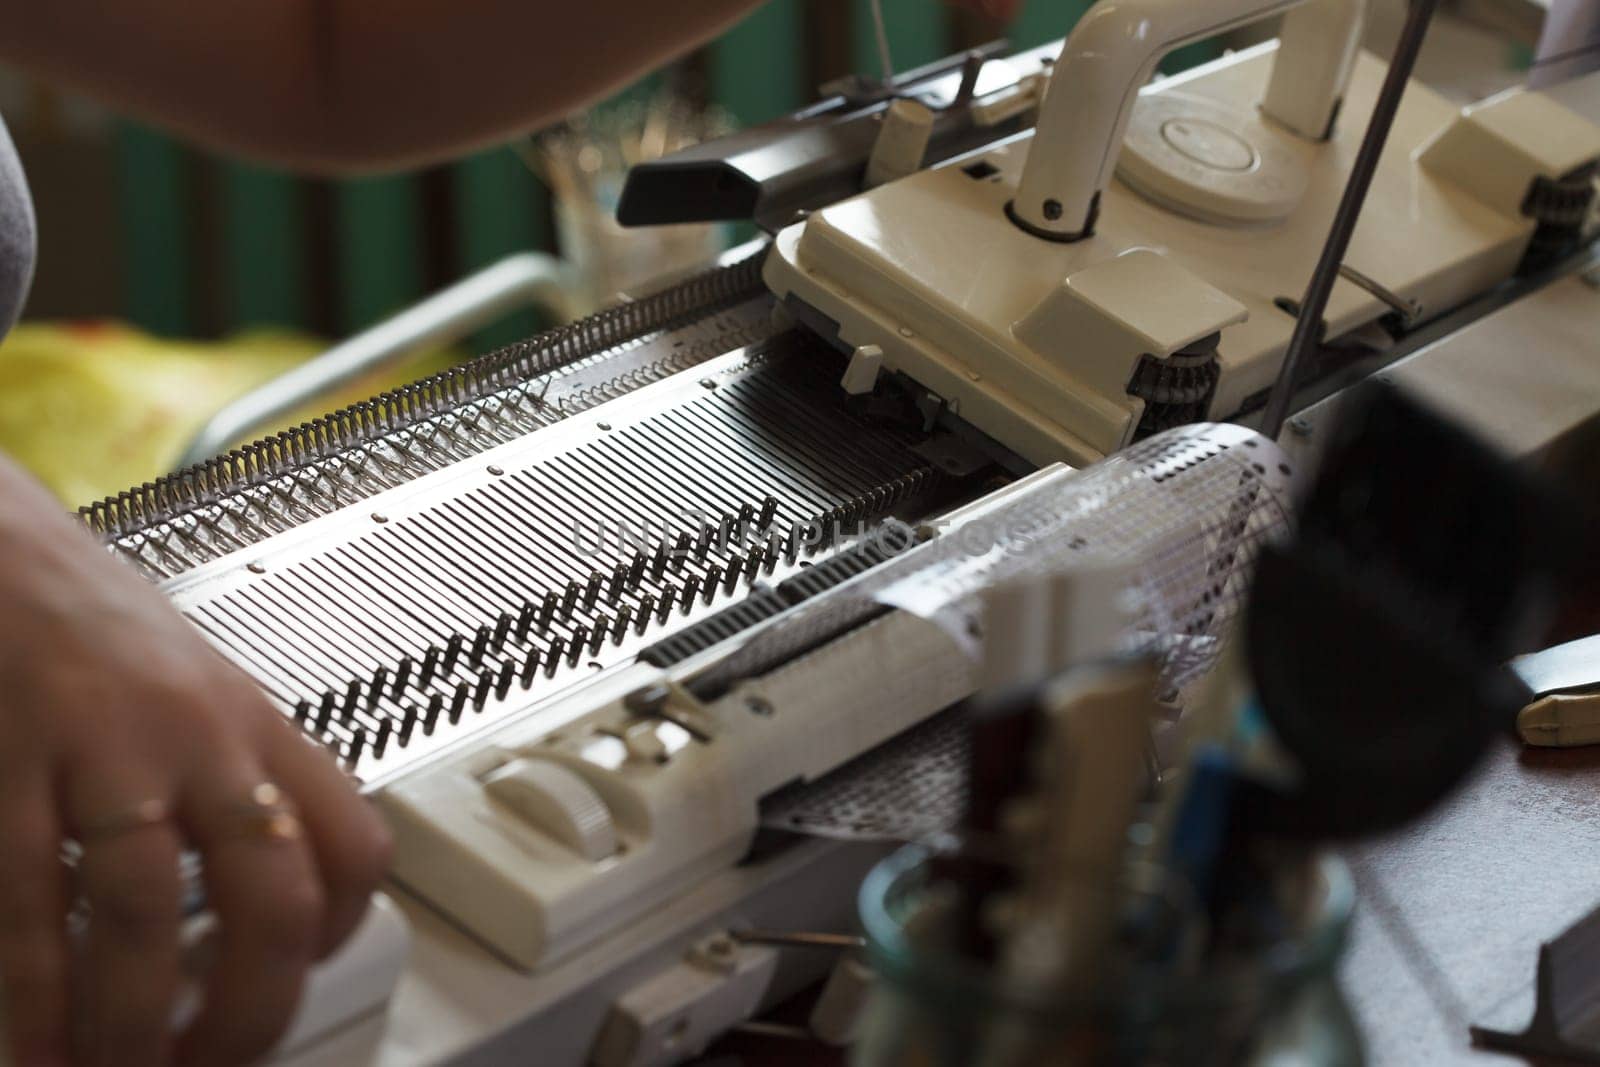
(1277, 1006)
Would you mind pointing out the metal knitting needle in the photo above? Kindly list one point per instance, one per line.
(1308, 327)
(881, 30)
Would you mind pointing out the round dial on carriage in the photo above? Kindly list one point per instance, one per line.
(557, 801)
(1212, 162)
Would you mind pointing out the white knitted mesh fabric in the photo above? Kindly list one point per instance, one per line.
(1186, 510)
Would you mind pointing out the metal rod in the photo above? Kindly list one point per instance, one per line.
(885, 60)
(781, 1031)
(524, 280)
(1308, 328)
(833, 942)
(1408, 310)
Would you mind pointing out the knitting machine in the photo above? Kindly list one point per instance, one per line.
(638, 632)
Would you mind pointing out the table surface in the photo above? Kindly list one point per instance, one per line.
(1453, 909)
(1451, 913)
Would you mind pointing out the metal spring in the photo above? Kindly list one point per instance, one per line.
(173, 497)
(627, 382)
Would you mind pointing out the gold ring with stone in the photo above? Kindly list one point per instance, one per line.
(267, 815)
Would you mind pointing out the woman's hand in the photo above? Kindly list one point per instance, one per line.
(122, 729)
(339, 86)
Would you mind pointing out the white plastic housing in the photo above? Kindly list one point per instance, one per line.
(1114, 51)
(1497, 147)
(971, 307)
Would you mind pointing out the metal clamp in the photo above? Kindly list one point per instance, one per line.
(531, 279)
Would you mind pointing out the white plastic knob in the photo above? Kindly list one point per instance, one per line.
(558, 802)
(902, 142)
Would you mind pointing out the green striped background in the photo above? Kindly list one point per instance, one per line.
(335, 257)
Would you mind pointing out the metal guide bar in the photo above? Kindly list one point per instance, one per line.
(381, 642)
(266, 464)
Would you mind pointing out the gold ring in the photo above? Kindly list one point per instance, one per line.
(140, 816)
(267, 816)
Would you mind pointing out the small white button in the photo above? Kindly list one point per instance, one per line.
(1209, 144)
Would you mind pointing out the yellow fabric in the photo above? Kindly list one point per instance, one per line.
(94, 408)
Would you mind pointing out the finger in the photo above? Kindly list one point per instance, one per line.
(261, 883)
(33, 941)
(349, 840)
(132, 957)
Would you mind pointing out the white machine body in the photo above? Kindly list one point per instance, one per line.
(574, 875)
(1035, 341)
(483, 885)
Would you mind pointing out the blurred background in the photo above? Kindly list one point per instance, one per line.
(171, 281)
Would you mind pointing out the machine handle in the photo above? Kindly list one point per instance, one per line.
(1114, 51)
(530, 279)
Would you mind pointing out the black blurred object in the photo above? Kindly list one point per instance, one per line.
(1561, 209)
(1378, 633)
(1006, 728)
(770, 174)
